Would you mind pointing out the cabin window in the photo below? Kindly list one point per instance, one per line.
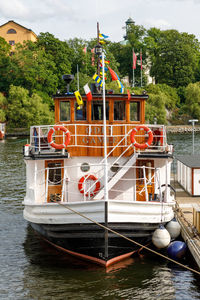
(97, 110)
(134, 111)
(65, 111)
(119, 110)
(55, 174)
(80, 114)
(11, 31)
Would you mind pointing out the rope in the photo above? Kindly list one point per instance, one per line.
(128, 239)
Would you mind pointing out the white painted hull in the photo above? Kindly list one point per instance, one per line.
(117, 212)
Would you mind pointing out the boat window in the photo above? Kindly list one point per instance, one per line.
(119, 110)
(55, 175)
(65, 111)
(97, 110)
(134, 111)
(80, 114)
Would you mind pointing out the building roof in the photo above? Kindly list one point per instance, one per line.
(191, 161)
(11, 21)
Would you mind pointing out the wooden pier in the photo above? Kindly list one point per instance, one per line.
(188, 215)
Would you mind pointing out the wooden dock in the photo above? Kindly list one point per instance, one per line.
(188, 215)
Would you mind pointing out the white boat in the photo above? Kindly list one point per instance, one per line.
(2, 130)
(65, 166)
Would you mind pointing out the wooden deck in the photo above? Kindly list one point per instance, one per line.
(186, 207)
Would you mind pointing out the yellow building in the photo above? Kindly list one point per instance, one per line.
(15, 33)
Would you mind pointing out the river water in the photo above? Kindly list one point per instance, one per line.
(30, 270)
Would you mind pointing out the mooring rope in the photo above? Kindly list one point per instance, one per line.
(126, 238)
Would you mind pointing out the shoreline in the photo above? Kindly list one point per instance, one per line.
(169, 128)
(182, 128)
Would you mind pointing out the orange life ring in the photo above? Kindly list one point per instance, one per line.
(145, 145)
(88, 177)
(67, 137)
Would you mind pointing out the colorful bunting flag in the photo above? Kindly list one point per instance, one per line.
(98, 79)
(115, 77)
(88, 92)
(78, 99)
(101, 35)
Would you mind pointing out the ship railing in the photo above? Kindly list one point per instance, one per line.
(147, 187)
(91, 136)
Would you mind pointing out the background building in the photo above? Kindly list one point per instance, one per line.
(15, 33)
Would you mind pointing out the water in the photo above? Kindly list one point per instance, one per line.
(31, 270)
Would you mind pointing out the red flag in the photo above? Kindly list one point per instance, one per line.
(134, 60)
(129, 95)
(141, 60)
(85, 49)
(93, 59)
(88, 92)
(113, 74)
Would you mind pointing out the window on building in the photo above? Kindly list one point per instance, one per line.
(134, 111)
(11, 31)
(80, 114)
(12, 43)
(119, 110)
(65, 111)
(97, 110)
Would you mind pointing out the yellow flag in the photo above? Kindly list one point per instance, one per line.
(78, 98)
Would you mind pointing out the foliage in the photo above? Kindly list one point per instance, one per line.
(3, 103)
(24, 110)
(192, 100)
(175, 58)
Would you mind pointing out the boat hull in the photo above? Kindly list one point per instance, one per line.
(81, 229)
(95, 244)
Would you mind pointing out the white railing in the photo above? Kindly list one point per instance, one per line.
(146, 186)
(91, 136)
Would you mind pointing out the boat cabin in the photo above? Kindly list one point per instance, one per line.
(77, 139)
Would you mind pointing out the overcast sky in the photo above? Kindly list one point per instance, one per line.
(77, 18)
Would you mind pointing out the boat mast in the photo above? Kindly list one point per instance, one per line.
(98, 61)
(104, 135)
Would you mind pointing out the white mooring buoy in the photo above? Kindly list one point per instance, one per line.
(174, 228)
(161, 237)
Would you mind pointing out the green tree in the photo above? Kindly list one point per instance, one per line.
(175, 57)
(192, 100)
(3, 103)
(24, 110)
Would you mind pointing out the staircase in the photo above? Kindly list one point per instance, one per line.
(118, 175)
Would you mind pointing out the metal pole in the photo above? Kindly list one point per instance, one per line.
(105, 136)
(133, 71)
(77, 78)
(193, 123)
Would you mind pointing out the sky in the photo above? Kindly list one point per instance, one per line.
(67, 19)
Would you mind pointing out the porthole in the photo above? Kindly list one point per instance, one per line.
(85, 167)
(115, 167)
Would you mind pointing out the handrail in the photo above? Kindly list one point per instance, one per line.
(38, 136)
(114, 161)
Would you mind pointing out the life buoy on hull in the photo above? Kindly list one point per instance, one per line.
(150, 138)
(81, 185)
(50, 139)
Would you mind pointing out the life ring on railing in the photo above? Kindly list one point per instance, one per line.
(67, 137)
(81, 183)
(150, 138)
